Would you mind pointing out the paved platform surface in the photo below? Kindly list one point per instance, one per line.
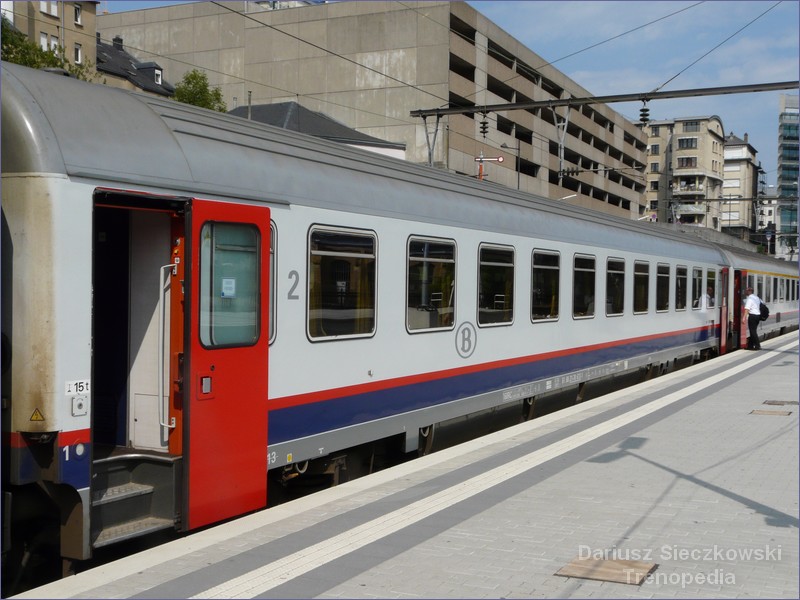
(679, 471)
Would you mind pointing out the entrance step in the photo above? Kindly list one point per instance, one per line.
(131, 530)
(134, 493)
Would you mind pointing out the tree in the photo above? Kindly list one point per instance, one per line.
(18, 49)
(194, 89)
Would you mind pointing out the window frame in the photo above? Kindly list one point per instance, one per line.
(344, 231)
(661, 280)
(609, 271)
(637, 274)
(273, 282)
(697, 294)
(575, 270)
(549, 318)
(681, 306)
(206, 334)
(437, 240)
(501, 248)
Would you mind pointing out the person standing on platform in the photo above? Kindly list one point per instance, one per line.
(752, 316)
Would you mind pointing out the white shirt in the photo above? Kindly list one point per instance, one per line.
(753, 304)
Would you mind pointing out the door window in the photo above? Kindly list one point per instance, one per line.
(229, 284)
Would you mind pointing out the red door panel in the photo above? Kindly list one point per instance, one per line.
(225, 433)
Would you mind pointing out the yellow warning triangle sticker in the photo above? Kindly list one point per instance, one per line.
(37, 416)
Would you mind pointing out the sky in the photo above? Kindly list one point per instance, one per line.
(636, 46)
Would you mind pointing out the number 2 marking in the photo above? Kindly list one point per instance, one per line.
(296, 276)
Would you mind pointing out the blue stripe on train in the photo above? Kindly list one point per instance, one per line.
(317, 417)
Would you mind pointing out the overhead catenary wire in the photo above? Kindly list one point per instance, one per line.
(734, 34)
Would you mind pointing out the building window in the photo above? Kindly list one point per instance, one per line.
(655, 149)
(43, 41)
(544, 285)
(158, 77)
(496, 285)
(687, 162)
(49, 8)
(78, 54)
(691, 126)
(431, 284)
(684, 143)
(654, 167)
(78, 11)
(655, 130)
(654, 186)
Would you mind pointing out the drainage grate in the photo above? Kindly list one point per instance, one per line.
(631, 572)
(781, 402)
(776, 413)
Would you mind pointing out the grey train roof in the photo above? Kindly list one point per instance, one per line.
(96, 132)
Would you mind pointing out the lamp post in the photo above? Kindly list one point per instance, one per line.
(507, 147)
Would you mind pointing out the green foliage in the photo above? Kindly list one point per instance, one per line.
(194, 89)
(18, 49)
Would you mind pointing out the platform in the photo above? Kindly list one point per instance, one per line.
(685, 486)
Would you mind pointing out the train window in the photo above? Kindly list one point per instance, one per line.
(229, 284)
(681, 276)
(781, 290)
(544, 285)
(641, 287)
(775, 289)
(662, 287)
(431, 284)
(272, 276)
(615, 287)
(759, 287)
(495, 285)
(341, 283)
(767, 297)
(583, 286)
(697, 286)
(710, 298)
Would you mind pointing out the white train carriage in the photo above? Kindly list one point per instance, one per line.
(191, 299)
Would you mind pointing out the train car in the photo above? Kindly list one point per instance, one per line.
(192, 301)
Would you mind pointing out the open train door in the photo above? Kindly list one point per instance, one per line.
(225, 370)
(724, 316)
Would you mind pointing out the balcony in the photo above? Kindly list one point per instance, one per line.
(687, 189)
(691, 209)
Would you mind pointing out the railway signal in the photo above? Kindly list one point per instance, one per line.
(482, 159)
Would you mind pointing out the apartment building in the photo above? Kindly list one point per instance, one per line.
(740, 189)
(788, 176)
(369, 64)
(685, 162)
(67, 27)
(788, 146)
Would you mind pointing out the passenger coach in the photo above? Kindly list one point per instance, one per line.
(191, 300)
